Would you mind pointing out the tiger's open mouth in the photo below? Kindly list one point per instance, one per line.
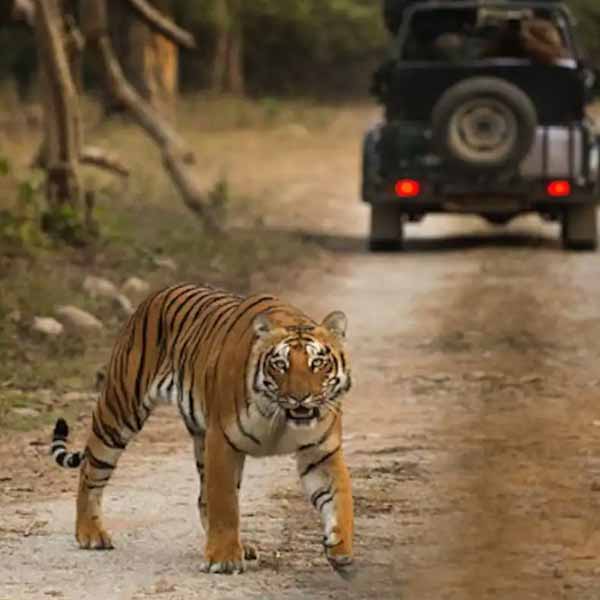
(301, 415)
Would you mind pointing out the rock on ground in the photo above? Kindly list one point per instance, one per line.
(48, 326)
(78, 318)
(136, 287)
(98, 286)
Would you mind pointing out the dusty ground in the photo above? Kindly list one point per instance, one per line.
(472, 433)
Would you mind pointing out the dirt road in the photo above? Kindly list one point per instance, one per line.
(472, 434)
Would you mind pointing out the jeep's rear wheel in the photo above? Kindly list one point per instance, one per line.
(484, 125)
(387, 228)
(579, 228)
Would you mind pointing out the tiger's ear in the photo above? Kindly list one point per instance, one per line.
(336, 322)
(262, 325)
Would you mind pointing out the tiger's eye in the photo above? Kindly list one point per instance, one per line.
(279, 364)
(317, 363)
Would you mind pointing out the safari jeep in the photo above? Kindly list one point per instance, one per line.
(476, 123)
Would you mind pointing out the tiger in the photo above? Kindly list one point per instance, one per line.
(251, 376)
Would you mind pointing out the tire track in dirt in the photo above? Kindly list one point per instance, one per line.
(520, 457)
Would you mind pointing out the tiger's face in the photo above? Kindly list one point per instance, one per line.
(301, 372)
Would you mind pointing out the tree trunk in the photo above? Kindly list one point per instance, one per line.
(228, 70)
(235, 71)
(220, 60)
(149, 59)
(61, 109)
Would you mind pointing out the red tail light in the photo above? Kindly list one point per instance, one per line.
(560, 188)
(407, 188)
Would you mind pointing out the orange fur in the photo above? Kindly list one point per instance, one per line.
(220, 357)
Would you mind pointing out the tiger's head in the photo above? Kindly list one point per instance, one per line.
(301, 372)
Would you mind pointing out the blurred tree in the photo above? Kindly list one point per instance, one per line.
(149, 59)
(588, 12)
(228, 69)
(60, 42)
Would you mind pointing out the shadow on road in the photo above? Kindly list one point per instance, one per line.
(347, 244)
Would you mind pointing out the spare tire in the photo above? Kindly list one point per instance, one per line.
(484, 125)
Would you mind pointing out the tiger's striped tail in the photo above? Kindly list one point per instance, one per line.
(66, 459)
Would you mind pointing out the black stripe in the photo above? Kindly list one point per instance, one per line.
(241, 427)
(191, 401)
(91, 486)
(319, 494)
(140, 370)
(203, 303)
(231, 444)
(96, 462)
(60, 457)
(197, 298)
(189, 288)
(109, 437)
(166, 292)
(325, 503)
(233, 323)
(67, 460)
(114, 435)
(191, 345)
(100, 434)
(323, 459)
(103, 480)
(163, 379)
(225, 312)
(115, 410)
(74, 460)
(245, 311)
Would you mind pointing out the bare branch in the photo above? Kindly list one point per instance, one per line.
(158, 127)
(97, 157)
(161, 24)
(179, 160)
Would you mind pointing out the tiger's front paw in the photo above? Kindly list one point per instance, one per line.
(224, 562)
(91, 536)
(339, 555)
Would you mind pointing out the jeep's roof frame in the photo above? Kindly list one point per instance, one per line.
(431, 5)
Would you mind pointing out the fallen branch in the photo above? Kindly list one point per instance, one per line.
(160, 23)
(91, 155)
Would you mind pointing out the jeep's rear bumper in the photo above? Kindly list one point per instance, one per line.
(513, 197)
(398, 150)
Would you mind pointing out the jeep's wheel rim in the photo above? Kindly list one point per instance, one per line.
(483, 130)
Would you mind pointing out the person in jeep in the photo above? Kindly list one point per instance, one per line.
(485, 114)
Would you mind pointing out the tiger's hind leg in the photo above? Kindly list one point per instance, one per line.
(111, 431)
(250, 552)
